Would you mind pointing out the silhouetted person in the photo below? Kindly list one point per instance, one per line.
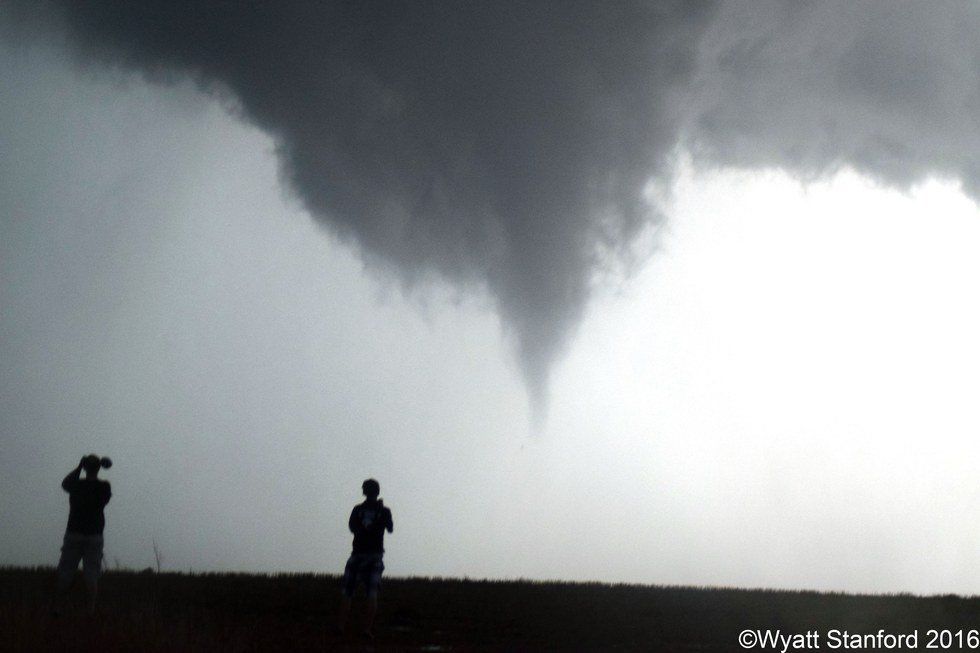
(83, 537)
(368, 522)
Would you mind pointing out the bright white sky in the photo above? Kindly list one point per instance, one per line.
(792, 377)
(783, 396)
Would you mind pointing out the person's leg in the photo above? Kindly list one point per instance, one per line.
(372, 583)
(347, 592)
(92, 567)
(71, 555)
(372, 611)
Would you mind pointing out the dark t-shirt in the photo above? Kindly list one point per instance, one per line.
(86, 499)
(368, 522)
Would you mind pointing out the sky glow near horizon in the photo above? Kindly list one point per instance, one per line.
(782, 396)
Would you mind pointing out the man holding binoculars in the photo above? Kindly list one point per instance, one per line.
(83, 537)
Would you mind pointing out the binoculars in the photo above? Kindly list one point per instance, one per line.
(91, 460)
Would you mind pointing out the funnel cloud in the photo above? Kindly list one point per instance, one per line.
(505, 147)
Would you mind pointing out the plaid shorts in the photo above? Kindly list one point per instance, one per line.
(363, 568)
(86, 549)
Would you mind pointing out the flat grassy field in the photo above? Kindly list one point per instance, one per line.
(238, 612)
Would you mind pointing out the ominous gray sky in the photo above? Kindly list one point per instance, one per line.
(484, 177)
(504, 147)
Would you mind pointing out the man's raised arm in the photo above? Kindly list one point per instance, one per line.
(72, 478)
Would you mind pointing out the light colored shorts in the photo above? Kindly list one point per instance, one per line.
(86, 549)
(363, 568)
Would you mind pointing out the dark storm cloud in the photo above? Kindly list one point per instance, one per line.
(503, 145)
(507, 145)
(889, 88)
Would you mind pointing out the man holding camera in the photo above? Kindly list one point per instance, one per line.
(86, 520)
(368, 522)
